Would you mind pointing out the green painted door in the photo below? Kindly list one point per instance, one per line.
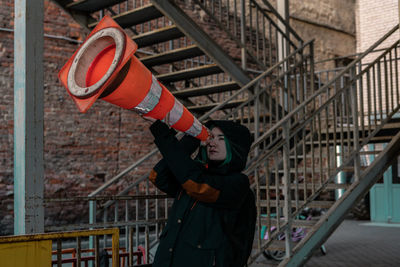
(385, 197)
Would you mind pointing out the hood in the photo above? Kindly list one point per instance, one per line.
(239, 139)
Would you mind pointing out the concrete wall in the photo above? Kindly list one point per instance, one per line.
(330, 22)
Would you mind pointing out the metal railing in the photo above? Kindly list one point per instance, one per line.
(36, 249)
(344, 113)
(262, 40)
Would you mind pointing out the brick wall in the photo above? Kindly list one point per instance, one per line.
(81, 151)
(373, 20)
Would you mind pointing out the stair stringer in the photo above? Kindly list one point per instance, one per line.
(336, 214)
(202, 40)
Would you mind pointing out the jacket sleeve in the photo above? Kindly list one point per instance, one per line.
(161, 175)
(163, 179)
(225, 191)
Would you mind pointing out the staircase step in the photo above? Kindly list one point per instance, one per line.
(135, 16)
(189, 73)
(172, 56)
(308, 186)
(295, 223)
(207, 90)
(330, 142)
(261, 117)
(90, 6)
(313, 204)
(277, 245)
(207, 107)
(374, 152)
(381, 139)
(300, 170)
(158, 36)
(273, 246)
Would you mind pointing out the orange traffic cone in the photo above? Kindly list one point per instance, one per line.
(105, 67)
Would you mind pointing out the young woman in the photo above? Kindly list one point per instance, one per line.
(212, 220)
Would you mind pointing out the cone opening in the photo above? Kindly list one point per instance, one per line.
(99, 66)
(95, 62)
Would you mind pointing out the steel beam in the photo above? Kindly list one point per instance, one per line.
(28, 117)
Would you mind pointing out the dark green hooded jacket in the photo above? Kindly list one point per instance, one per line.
(212, 219)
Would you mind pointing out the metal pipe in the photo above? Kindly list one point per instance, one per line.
(242, 31)
(286, 190)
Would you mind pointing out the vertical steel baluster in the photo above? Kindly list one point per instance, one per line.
(96, 251)
(396, 71)
(130, 260)
(137, 218)
(59, 253)
(286, 189)
(126, 221)
(385, 74)
(354, 95)
(242, 32)
(78, 251)
(369, 101)
(380, 98)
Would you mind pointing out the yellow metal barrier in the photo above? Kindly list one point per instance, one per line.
(36, 250)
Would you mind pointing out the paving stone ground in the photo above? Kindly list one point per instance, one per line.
(355, 244)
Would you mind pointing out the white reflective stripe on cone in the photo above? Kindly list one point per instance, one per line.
(195, 129)
(152, 98)
(174, 114)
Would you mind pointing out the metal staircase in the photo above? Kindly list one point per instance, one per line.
(327, 136)
(308, 131)
(205, 77)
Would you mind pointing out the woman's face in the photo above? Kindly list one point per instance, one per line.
(216, 148)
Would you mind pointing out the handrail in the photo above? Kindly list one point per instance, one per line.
(282, 20)
(323, 88)
(49, 238)
(262, 54)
